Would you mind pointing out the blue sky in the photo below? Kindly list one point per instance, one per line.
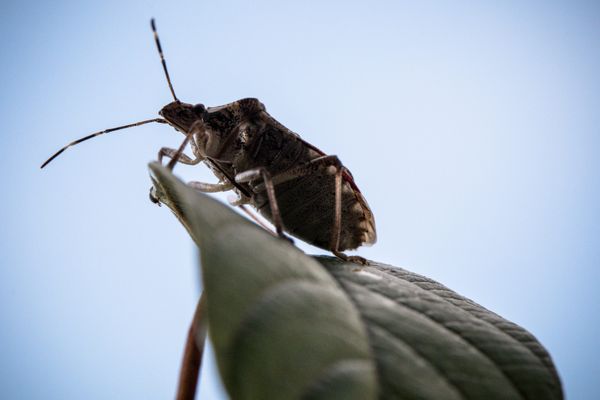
(471, 127)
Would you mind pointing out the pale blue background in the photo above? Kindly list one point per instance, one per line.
(471, 127)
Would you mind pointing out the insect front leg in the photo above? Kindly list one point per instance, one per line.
(183, 158)
(192, 137)
(178, 155)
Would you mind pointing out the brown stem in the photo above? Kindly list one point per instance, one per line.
(192, 355)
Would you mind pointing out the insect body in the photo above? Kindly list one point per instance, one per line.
(296, 186)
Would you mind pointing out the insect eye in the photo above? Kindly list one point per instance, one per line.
(199, 109)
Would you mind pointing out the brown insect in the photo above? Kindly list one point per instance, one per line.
(293, 184)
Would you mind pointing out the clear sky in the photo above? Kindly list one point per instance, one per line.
(472, 128)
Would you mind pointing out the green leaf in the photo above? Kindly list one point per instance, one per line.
(432, 343)
(288, 326)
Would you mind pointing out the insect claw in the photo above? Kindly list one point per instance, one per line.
(153, 197)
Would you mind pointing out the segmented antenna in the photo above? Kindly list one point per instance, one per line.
(83, 139)
(162, 57)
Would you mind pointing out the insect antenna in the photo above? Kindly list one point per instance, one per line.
(83, 139)
(162, 58)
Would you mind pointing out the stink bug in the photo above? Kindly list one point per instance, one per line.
(293, 184)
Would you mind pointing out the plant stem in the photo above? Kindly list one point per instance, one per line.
(192, 355)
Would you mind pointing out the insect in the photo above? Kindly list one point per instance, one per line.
(297, 187)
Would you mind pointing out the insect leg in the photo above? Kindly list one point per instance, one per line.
(195, 129)
(257, 173)
(313, 166)
(337, 221)
(183, 158)
(238, 200)
(337, 215)
(177, 155)
(211, 187)
(303, 170)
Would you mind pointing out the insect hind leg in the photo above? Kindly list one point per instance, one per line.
(337, 219)
(313, 166)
